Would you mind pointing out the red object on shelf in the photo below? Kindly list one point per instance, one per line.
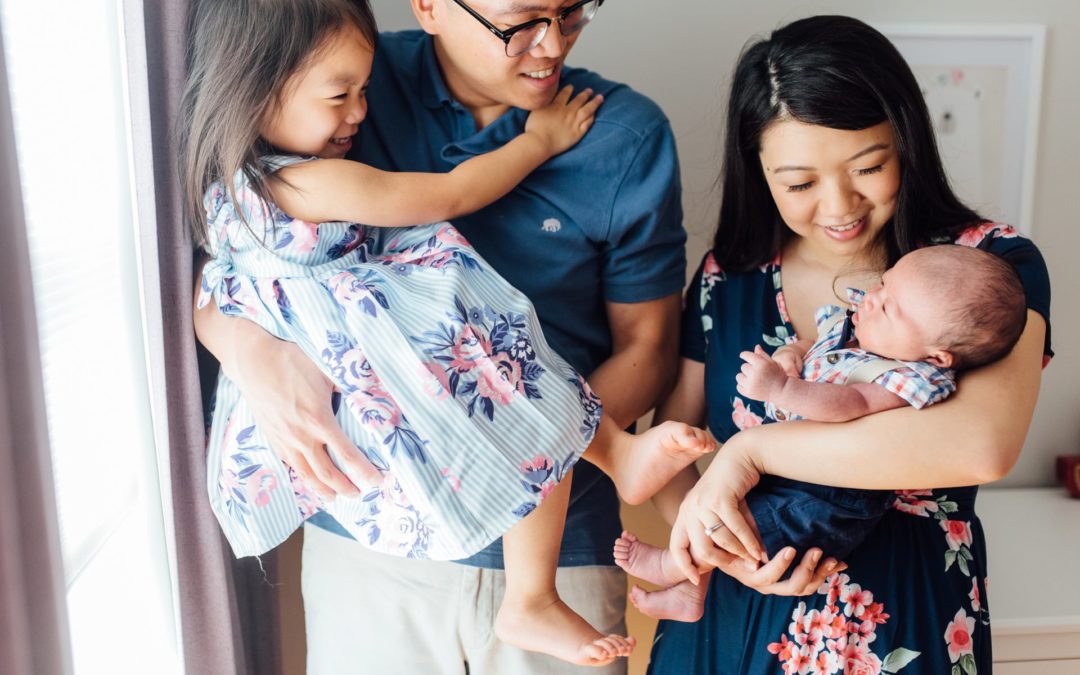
(1068, 473)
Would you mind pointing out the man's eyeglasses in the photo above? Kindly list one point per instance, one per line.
(524, 36)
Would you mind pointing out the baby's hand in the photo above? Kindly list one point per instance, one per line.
(761, 378)
(789, 360)
(563, 122)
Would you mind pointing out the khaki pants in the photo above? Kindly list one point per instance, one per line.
(371, 613)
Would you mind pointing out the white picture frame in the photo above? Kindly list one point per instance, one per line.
(983, 84)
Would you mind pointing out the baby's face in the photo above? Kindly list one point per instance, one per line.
(898, 318)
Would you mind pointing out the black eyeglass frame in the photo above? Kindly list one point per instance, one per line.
(506, 35)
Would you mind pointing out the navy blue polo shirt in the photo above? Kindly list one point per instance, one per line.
(599, 223)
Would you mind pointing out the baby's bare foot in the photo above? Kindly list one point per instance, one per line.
(646, 561)
(547, 625)
(681, 602)
(653, 458)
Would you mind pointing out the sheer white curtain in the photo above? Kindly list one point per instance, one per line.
(110, 559)
(75, 145)
(33, 619)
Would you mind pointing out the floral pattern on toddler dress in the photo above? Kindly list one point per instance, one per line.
(442, 377)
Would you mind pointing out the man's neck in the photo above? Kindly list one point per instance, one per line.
(484, 110)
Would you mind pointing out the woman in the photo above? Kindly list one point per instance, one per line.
(831, 174)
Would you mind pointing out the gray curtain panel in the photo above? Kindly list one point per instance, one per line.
(228, 608)
(33, 614)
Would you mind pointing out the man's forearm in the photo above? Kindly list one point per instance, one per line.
(644, 361)
(631, 381)
(223, 335)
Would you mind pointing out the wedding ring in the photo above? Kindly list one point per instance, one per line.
(713, 528)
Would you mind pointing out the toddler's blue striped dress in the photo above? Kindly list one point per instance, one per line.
(443, 375)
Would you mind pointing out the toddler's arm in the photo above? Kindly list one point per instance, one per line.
(763, 379)
(339, 189)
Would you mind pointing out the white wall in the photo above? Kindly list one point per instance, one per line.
(681, 52)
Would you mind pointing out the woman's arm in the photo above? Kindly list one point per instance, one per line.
(342, 190)
(973, 437)
(686, 403)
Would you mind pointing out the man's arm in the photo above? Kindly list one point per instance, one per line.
(289, 397)
(642, 366)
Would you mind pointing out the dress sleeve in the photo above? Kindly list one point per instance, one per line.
(692, 335)
(646, 242)
(1024, 256)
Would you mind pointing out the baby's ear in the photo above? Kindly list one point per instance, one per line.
(941, 358)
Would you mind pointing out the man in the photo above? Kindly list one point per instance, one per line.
(594, 238)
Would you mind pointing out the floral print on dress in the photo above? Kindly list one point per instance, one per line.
(973, 236)
(590, 404)
(837, 637)
(394, 523)
(743, 416)
(711, 274)
(368, 398)
(363, 290)
(539, 476)
(958, 637)
(434, 358)
(486, 357)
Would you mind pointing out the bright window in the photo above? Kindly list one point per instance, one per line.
(67, 73)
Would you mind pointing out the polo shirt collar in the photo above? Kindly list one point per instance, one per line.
(434, 92)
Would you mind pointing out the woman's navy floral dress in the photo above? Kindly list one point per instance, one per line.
(913, 598)
(443, 375)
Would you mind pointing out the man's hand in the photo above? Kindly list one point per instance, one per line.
(290, 399)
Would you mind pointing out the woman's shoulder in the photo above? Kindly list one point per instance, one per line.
(1010, 245)
(711, 272)
(987, 235)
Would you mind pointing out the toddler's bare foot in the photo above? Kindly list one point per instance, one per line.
(547, 625)
(646, 561)
(652, 458)
(682, 602)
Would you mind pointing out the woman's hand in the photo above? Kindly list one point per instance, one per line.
(805, 579)
(734, 548)
(290, 399)
(713, 521)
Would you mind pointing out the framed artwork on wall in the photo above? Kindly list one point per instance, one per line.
(983, 85)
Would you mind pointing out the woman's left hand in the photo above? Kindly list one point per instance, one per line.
(713, 518)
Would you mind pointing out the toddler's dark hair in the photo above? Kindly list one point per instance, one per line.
(988, 305)
(240, 55)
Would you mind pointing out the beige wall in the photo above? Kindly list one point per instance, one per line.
(680, 53)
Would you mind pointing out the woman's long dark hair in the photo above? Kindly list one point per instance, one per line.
(240, 55)
(837, 72)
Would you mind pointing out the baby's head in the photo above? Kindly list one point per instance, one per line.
(954, 306)
(270, 76)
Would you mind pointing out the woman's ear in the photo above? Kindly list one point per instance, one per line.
(427, 14)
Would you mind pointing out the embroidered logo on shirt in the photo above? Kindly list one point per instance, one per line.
(551, 225)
